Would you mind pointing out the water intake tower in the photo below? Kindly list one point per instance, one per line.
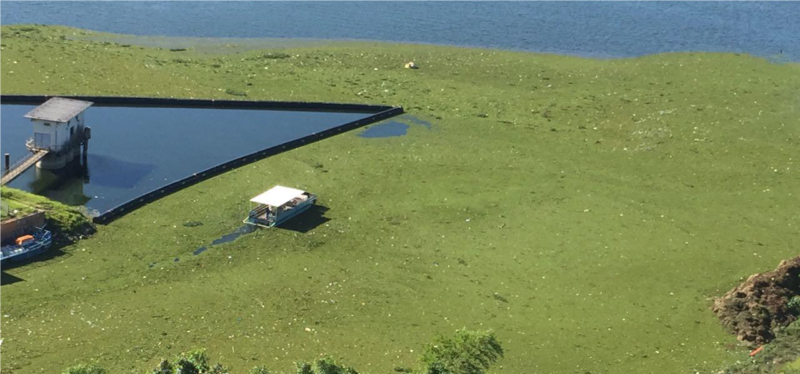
(59, 133)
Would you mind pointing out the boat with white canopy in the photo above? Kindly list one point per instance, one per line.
(277, 205)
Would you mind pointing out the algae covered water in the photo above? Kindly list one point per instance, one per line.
(595, 29)
(585, 210)
(136, 150)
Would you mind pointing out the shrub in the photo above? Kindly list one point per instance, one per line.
(325, 365)
(85, 369)
(468, 352)
(794, 305)
(192, 362)
(304, 368)
(775, 356)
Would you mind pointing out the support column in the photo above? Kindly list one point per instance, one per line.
(8, 162)
(85, 150)
(87, 134)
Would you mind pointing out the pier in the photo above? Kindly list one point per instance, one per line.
(13, 171)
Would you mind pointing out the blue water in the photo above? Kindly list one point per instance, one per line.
(395, 127)
(385, 130)
(136, 150)
(597, 29)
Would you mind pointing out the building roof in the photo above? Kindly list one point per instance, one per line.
(58, 109)
(277, 196)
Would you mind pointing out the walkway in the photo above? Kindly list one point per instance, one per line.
(22, 165)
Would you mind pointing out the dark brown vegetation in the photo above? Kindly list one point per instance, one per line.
(763, 303)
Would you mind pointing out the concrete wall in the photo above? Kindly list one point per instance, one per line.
(47, 128)
(16, 227)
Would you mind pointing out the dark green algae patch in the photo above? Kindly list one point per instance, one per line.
(604, 201)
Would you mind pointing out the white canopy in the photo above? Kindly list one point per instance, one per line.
(277, 196)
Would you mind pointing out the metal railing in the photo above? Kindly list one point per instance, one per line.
(19, 161)
(32, 146)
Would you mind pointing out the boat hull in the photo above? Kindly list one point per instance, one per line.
(24, 255)
(14, 253)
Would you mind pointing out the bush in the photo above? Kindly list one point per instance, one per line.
(325, 365)
(775, 356)
(794, 305)
(193, 362)
(468, 352)
(85, 369)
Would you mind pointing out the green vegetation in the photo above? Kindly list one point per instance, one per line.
(779, 356)
(69, 221)
(197, 362)
(192, 362)
(85, 369)
(586, 210)
(325, 365)
(794, 305)
(469, 352)
(13, 208)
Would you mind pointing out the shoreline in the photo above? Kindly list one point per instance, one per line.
(223, 45)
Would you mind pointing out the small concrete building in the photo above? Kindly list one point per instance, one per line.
(59, 127)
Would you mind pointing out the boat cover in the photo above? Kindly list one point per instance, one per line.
(277, 196)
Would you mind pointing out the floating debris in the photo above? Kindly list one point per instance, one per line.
(192, 224)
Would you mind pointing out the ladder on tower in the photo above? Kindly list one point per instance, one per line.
(21, 165)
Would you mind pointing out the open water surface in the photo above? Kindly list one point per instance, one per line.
(594, 29)
(397, 126)
(134, 150)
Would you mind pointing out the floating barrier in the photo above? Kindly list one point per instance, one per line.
(380, 112)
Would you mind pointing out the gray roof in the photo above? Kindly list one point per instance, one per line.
(58, 109)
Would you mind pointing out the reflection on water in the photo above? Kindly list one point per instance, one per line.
(64, 185)
(135, 150)
(127, 174)
(67, 185)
